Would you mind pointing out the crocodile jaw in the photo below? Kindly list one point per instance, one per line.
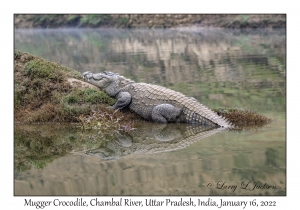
(100, 80)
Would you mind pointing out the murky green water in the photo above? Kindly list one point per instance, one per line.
(226, 68)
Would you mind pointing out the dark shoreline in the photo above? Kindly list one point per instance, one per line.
(236, 21)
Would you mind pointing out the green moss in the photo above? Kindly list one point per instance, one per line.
(18, 92)
(73, 18)
(18, 54)
(88, 95)
(38, 69)
(42, 92)
(47, 19)
(95, 20)
(45, 70)
(69, 112)
(92, 20)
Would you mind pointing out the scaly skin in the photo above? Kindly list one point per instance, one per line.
(153, 102)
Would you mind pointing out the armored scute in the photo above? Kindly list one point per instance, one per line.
(153, 102)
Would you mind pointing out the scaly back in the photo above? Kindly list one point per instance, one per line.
(194, 111)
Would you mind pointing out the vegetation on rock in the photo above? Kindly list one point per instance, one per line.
(43, 94)
(150, 20)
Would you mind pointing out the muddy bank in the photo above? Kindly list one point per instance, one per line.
(237, 21)
(46, 92)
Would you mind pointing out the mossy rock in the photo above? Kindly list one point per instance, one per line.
(44, 92)
(88, 95)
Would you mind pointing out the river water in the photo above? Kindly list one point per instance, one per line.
(218, 67)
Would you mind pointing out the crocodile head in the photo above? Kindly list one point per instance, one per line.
(108, 81)
(101, 80)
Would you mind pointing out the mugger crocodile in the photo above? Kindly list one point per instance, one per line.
(153, 138)
(153, 102)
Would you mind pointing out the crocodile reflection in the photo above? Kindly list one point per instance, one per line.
(153, 138)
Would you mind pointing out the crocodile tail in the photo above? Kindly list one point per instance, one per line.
(205, 116)
(192, 117)
(223, 122)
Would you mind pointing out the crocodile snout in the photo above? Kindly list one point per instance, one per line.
(87, 75)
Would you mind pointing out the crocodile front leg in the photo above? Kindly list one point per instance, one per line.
(165, 113)
(123, 99)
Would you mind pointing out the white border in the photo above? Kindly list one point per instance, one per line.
(216, 6)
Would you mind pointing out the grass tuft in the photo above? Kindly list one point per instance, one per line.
(103, 121)
(88, 95)
(242, 118)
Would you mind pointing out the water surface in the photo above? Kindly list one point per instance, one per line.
(220, 68)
